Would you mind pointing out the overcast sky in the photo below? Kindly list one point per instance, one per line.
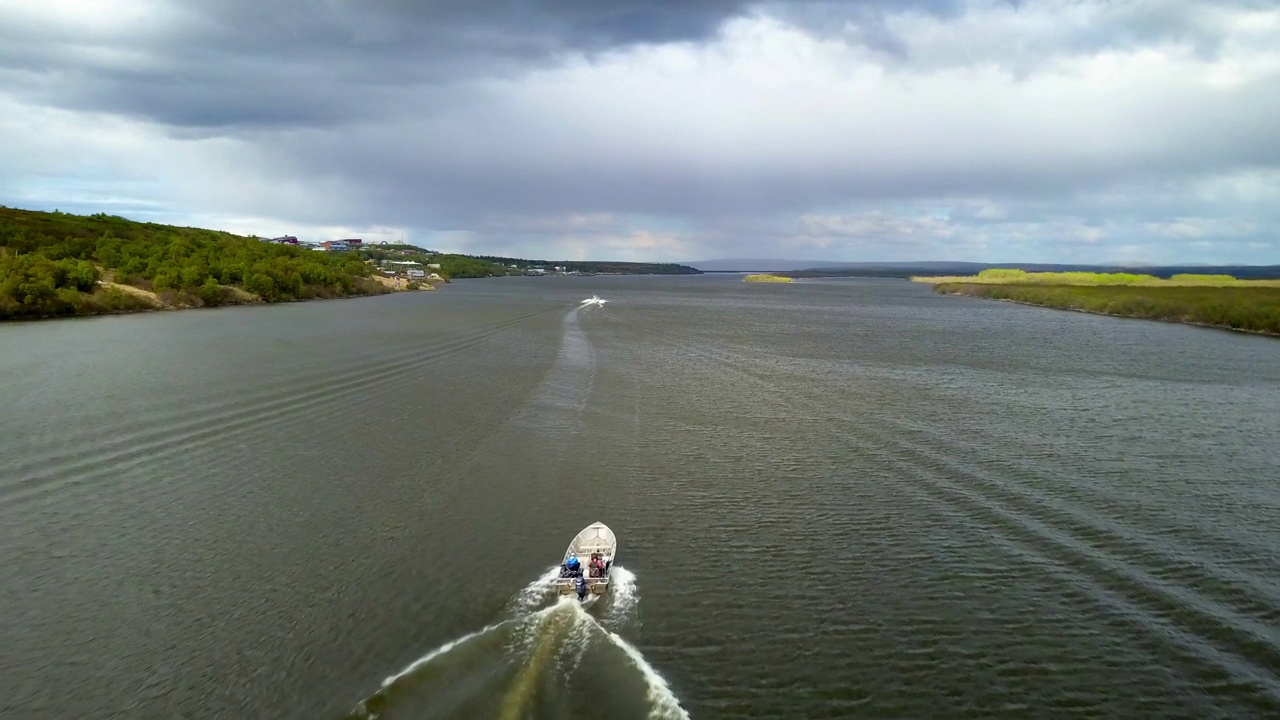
(1027, 130)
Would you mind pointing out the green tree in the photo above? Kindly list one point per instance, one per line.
(210, 293)
(261, 285)
(83, 276)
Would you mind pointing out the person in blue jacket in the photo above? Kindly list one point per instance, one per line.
(571, 567)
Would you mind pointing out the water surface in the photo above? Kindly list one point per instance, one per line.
(844, 498)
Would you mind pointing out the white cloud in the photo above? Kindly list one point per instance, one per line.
(94, 18)
(876, 226)
(1055, 129)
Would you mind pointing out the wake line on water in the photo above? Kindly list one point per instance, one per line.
(546, 644)
(535, 593)
(664, 703)
(559, 402)
(623, 596)
(425, 659)
(544, 632)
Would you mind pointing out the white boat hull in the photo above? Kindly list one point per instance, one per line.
(594, 542)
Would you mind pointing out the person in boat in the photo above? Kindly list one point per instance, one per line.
(597, 567)
(571, 567)
(581, 587)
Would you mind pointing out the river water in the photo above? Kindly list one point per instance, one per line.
(843, 498)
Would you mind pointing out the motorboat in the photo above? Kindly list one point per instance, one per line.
(593, 300)
(588, 559)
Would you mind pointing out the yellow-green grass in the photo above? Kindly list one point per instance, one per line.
(765, 277)
(1254, 308)
(1007, 276)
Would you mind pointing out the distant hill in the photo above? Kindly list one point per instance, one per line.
(604, 267)
(751, 265)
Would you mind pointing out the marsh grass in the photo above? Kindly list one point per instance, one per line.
(1253, 307)
(765, 277)
(1008, 276)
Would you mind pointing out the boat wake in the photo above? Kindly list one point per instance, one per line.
(623, 598)
(547, 658)
(534, 595)
(558, 404)
(663, 703)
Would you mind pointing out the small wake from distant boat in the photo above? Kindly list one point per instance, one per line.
(551, 656)
(557, 405)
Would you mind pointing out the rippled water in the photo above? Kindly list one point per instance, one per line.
(834, 499)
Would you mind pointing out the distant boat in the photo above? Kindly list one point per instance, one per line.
(588, 560)
(593, 300)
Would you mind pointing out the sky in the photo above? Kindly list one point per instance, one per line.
(1090, 131)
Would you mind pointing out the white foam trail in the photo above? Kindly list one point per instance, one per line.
(536, 592)
(528, 629)
(532, 595)
(664, 703)
(547, 633)
(624, 595)
(578, 639)
(420, 662)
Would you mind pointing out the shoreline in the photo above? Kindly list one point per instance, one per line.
(154, 304)
(941, 290)
(56, 265)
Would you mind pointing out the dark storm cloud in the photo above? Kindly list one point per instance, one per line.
(221, 63)
(285, 62)
(217, 63)
(724, 120)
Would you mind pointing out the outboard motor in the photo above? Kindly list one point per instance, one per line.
(581, 586)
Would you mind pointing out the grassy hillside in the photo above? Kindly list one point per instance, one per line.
(60, 264)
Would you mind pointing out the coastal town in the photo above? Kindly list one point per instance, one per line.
(414, 274)
(398, 274)
(327, 246)
(415, 269)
